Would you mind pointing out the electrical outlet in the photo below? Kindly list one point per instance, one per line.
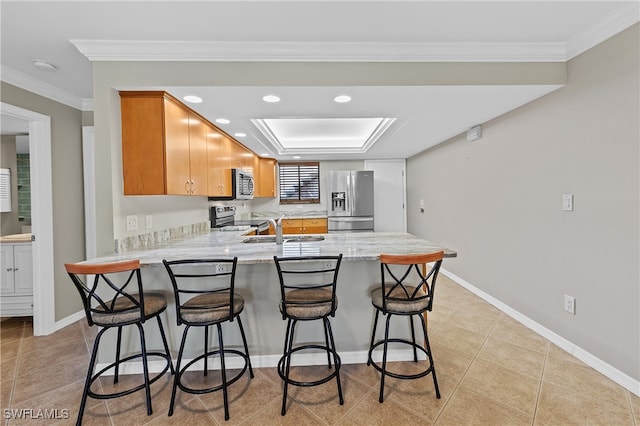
(570, 304)
(221, 267)
(132, 223)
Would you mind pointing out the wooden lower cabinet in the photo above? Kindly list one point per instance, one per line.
(314, 226)
(302, 226)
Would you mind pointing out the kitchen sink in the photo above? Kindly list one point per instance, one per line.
(286, 239)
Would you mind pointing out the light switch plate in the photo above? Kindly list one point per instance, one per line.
(567, 202)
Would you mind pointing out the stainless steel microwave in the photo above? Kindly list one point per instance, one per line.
(242, 182)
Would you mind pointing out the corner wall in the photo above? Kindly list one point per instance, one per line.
(497, 202)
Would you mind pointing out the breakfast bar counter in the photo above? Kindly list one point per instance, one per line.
(257, 282)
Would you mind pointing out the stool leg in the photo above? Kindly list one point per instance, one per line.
(206, 348)
(428, 348)
(326, 341)
(87, 382)
(176, 378)
(335, 359)
(117, 366)
(223, 372)
(145, 369)
(291, 326)
(246, 348)
(373, 336)
(384, 357)
(166, 345)
(413, 339)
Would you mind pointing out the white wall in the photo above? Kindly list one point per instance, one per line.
(497, 201)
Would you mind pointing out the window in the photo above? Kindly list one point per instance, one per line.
(299, 183)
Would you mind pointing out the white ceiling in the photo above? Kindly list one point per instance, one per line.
(422, 31)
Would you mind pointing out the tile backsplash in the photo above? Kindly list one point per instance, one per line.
(141, 241)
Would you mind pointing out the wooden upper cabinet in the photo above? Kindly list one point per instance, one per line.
(219, 163)
(143, 148)
(164, 146)
(265, 177)
(241, 157)
(198, 155)
(167, 148)
(176, 141)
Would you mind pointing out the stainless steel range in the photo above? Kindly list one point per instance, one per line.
(222, 216)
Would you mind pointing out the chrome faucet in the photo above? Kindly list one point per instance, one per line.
(277, 225)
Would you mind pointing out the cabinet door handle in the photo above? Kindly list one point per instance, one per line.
(186, 187)
(9, 269)
(15, 269)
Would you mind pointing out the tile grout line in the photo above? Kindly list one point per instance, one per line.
(633, 414)
(544, 366)
(15, 370)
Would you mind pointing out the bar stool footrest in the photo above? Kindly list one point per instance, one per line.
(397, 375)
(334, 373)
(234, 379)
(141, 386)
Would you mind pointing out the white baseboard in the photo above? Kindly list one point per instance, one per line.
(59, 325)
(267, 361)
(624, 380)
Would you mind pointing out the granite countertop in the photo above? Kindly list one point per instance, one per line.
(354, 247)
(16, 238)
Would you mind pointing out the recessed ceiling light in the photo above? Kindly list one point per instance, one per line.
(271, 98)
(296, 157)
(192, 99)
(222, 121)
(342, 99)
(240, 135)
(265, 154)
(43, 65)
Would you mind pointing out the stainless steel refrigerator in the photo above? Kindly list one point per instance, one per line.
(350, 197)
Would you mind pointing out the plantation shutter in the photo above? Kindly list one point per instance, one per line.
(299, 182)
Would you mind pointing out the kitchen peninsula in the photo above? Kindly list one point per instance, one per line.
(257, 282)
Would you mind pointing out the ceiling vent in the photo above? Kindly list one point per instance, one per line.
(474, 133)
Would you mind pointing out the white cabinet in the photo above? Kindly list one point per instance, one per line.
(16, 280)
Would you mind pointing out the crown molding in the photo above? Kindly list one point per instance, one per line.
(607, 27)
(26, 82)
(141, 50)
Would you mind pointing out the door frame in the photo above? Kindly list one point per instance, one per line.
(41, 216)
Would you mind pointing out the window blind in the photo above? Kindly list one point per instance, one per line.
(299, 182)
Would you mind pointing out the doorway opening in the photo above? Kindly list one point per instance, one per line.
(41, 216)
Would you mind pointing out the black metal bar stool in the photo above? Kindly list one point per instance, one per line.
(308, 293)
(204, 292)
(406, 289)
(109, 303)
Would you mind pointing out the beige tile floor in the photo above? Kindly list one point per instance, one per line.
(491, 370)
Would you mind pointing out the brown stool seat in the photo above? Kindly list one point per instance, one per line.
(399, 302)
(125, 310)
